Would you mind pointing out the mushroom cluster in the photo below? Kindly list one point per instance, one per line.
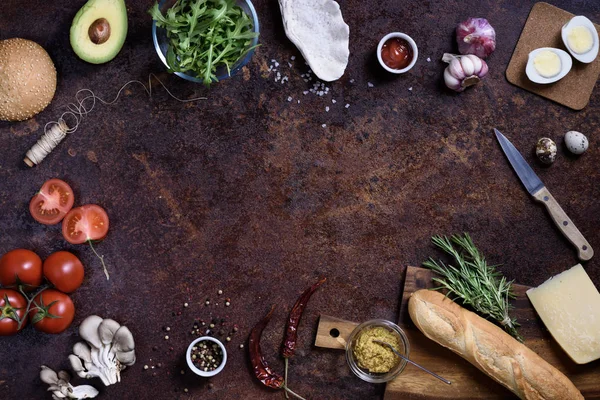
(109, 349)
(62, 389)
(27, 79)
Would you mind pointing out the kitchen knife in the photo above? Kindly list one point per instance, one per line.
(536, 188)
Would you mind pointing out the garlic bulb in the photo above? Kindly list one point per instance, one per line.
(476, 36)
(463, 71)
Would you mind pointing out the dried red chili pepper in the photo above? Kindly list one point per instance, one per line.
(291, 329)
(259, 364)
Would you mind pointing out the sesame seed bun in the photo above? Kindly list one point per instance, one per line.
(27, 79)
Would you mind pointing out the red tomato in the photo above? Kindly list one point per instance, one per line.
(52, 311)
(21, 266)
(54, 200)
(12, 309)
(89, 222)
(64, 271)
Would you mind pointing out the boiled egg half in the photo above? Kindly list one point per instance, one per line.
(581, 39)
(548, 65)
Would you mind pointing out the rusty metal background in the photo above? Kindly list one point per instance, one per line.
(248, 193)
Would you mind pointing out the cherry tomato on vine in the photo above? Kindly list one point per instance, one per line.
(54, 200)
(85, 223)
(12, 309)
(21, 266)
(51, 311)
(64, 270)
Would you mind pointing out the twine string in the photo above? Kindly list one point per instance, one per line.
(85, 101)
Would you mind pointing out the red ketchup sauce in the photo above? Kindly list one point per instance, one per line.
(396, 53)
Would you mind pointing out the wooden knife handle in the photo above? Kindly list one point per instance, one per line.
(564, 223)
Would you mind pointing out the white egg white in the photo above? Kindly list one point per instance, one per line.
(579, 20)
(565, 66)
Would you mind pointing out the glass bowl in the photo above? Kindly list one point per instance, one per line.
(198, 371)
(161, 43)
(371, 376)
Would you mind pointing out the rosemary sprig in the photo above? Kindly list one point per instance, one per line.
(476, 283)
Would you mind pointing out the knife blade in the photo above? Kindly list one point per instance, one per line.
(536, 188)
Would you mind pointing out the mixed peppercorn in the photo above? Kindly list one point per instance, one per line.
(207, 355)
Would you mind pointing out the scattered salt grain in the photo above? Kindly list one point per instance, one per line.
(326, 109)
(428, 59)
(324, 125)
(369, 84)
(347, 106)
(298, 101)
(290, 64)
(305, 92)
(276, 64)
(333, 101)
(290, 98)
(410, 88)
(292, 58)
(351, 80)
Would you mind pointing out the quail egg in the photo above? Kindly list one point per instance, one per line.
(548, 65)
(576, 142)
(581, 39)
(545, 150)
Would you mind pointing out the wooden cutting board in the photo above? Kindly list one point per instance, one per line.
(543, 29)
(467, 381)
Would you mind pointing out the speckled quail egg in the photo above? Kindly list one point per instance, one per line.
(548, 65)
(545, 150)
(581, 39)
(576, 142)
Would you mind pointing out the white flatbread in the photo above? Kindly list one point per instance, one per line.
(318, 29)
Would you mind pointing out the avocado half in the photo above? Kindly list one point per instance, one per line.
(98, 30)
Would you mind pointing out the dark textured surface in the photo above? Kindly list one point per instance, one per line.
(247, 192)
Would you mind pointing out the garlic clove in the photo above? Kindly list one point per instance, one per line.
(456, 69)
(467, 66)
(451, 81)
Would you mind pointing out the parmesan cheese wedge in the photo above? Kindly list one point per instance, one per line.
(569, 305)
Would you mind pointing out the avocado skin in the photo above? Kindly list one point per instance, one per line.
(115, 13)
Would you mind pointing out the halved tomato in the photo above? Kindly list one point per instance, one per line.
(52, 202)
(85, 223)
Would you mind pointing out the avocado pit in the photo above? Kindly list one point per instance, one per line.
(99, 31)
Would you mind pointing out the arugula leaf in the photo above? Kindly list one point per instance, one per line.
(204, 35)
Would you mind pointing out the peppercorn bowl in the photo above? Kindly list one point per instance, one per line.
(206, 356)
(356, 351)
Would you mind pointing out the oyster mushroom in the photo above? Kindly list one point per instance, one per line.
(110, 348)
(62, 389)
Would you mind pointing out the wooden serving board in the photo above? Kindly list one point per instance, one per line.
(543, 29)
(467, 381)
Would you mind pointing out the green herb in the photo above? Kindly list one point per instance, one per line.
(205, 34)
(476, 283)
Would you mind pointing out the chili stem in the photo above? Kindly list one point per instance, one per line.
(292, 393)
(100, 257)
(285, 378)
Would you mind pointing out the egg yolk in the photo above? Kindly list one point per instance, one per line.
(580, 39)
(547, 63)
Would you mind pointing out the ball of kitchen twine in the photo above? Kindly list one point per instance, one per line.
(27, 79)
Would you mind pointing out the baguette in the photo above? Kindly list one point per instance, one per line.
(489, 348)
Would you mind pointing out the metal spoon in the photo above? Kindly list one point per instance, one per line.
(412, 362)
